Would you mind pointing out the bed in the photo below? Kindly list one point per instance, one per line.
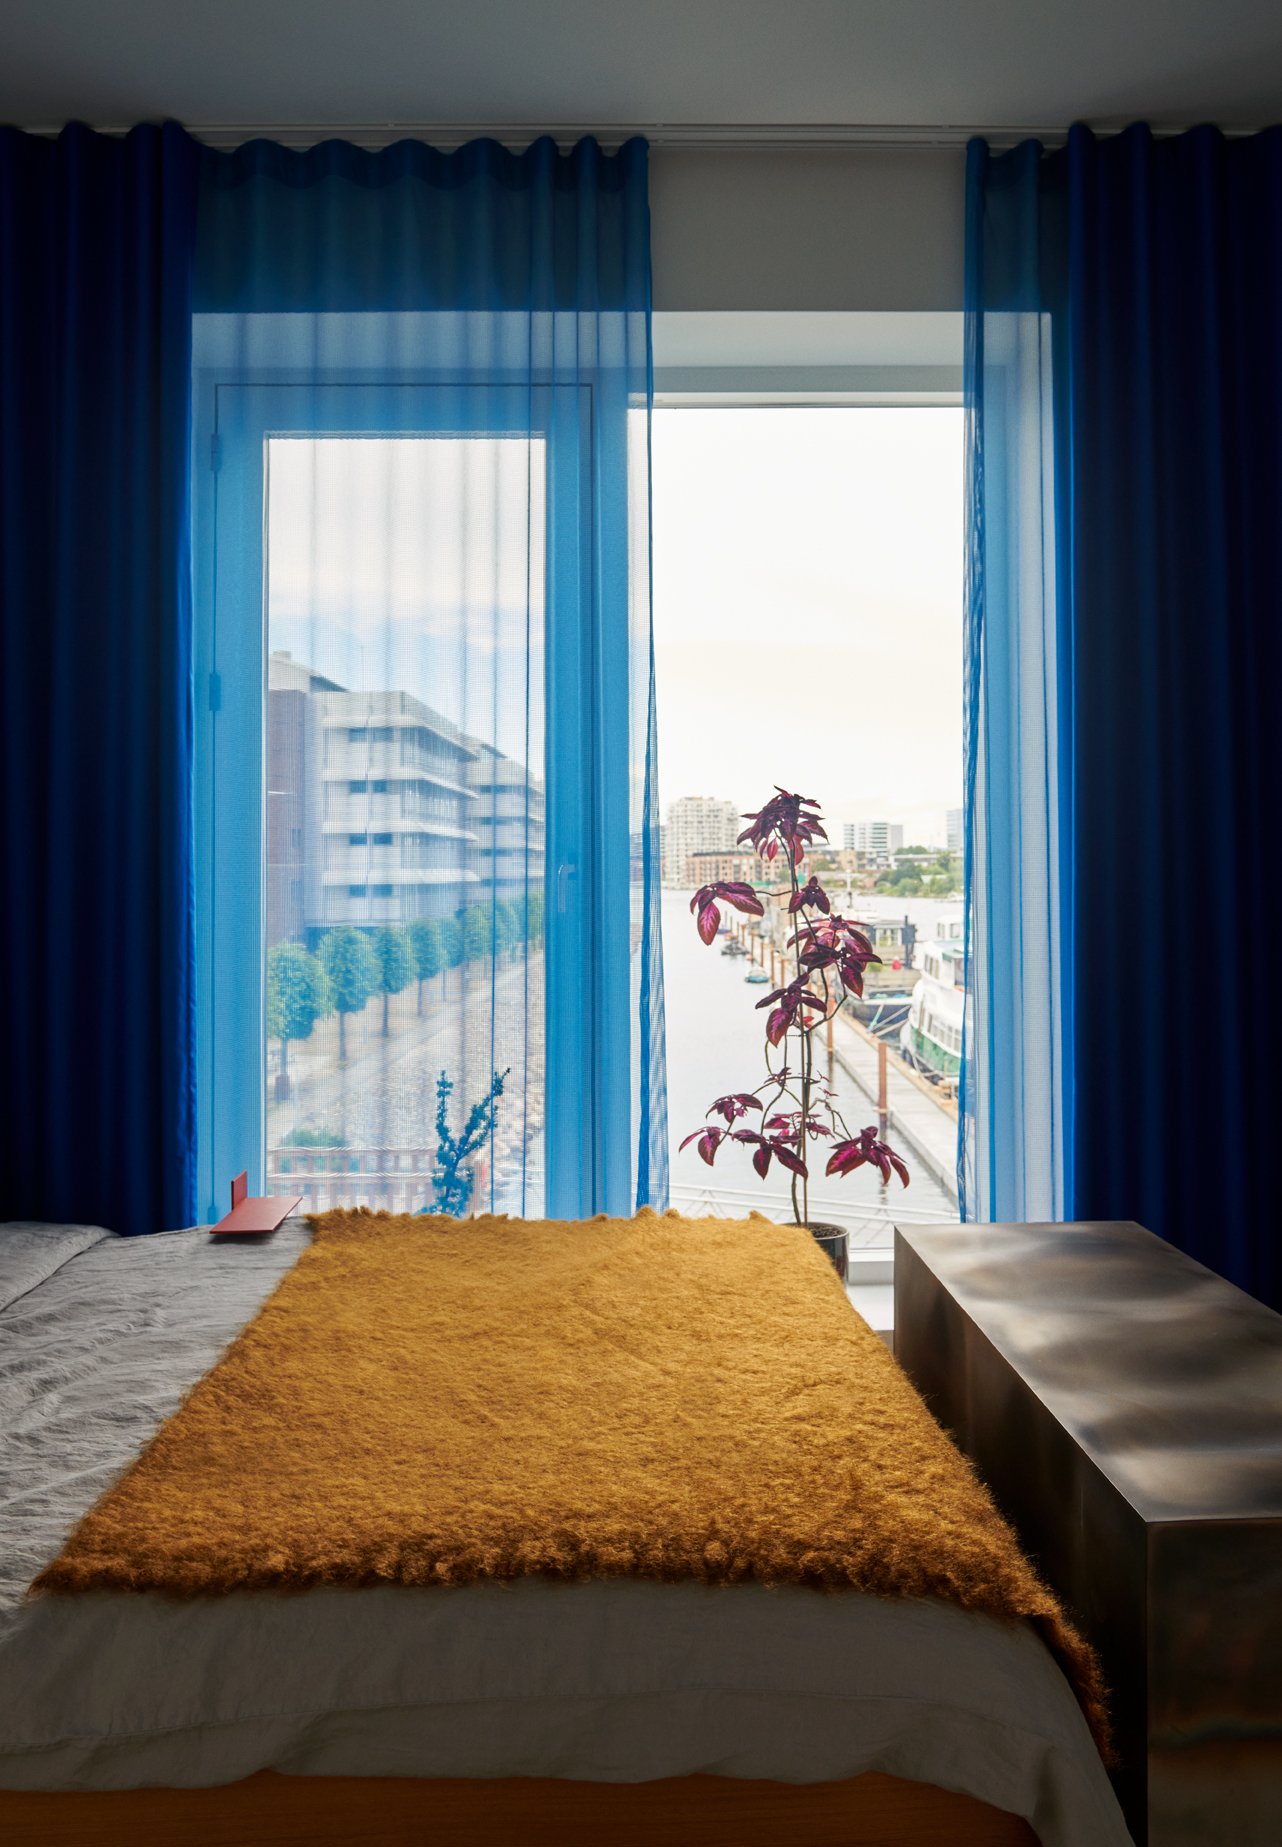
(618, 1708)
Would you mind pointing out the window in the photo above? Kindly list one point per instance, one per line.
(814, 547)
(300, 524)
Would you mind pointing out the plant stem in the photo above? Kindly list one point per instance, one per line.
(804, 1217)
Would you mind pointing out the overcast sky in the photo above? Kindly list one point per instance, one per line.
(807, 597)
(416, 564)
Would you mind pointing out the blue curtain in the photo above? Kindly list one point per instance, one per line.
(1124, 388)
(421, 388)
(96, 922)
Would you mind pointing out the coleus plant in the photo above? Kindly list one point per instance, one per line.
(793, 1108)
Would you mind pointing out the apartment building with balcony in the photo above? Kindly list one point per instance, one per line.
(370, 812)
(509, 819)
(697, 824)
(877, 839)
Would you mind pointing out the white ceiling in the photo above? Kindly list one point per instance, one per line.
(688, 65)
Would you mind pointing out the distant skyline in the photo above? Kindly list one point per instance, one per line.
(811, 556)
(834, 823)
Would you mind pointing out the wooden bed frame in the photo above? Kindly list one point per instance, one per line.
(270, 1810)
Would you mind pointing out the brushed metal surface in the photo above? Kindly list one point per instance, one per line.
(1124, 1405)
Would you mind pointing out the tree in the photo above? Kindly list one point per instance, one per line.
(297, 996)
(354, 974)
(478, 932)
(533, 916)
(904, 882)
(507, 923)
(452, 1182)
(429, 954)
(512, 921)
(396, 963)
(451, 941)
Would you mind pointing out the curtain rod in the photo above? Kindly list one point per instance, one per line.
(784, 137)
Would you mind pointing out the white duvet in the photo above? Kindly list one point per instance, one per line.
(100, 1337)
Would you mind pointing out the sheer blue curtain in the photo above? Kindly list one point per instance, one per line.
(1016, 1108)
(422, 387)
(1124, 387)
(96, 920)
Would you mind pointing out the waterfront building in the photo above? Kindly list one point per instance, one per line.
(370, 812)
(509, 818)
(707, 868)
(953, 830)
(876, 839)
(697, 824)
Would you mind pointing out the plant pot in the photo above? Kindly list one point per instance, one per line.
(833, 1241)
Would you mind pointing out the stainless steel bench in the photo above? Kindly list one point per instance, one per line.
(1124, 1404)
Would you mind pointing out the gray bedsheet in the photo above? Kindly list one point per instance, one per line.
(617, 1681)
(30, 1253)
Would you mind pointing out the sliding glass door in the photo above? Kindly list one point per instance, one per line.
(404, 814)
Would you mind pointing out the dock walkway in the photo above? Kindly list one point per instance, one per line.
(918, 1113)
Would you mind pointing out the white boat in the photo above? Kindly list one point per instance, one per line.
(931, 1036)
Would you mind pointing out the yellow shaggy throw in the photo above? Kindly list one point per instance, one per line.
(424, 1401)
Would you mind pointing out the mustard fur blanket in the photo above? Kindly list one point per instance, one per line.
(424, 1401)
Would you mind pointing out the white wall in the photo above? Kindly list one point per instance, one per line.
(841, 229)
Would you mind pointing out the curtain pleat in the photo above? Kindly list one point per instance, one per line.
(96, 923)
(1154, 268)
(425, 379)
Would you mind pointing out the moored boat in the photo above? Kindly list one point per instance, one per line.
(931, 1035)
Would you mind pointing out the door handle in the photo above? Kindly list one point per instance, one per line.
(564, 873)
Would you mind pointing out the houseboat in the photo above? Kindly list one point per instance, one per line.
(931, 1035)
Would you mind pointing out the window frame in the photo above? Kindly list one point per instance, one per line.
(236, 410)
(713, 360)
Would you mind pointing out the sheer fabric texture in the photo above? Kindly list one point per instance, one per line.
(422, 404)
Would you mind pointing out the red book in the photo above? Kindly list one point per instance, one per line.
(248, 1216)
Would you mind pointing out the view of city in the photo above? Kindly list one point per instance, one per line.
(405, 847)
(891, 1058)
(404, 937)
(807, 624)
(406, 804)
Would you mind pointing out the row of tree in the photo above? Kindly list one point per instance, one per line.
(921, 872)
(350, 966)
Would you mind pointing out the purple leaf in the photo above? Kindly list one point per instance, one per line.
(733, 1106)
(743, 897)
(845, 1157)
(791, 1161)
(867, 1147)
(770, 999)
